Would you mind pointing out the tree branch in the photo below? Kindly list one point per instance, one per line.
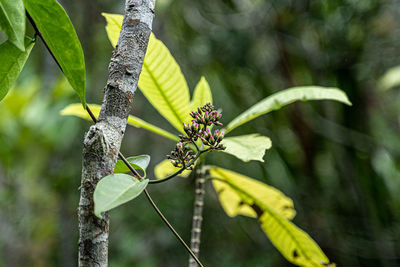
(103, 140)
(197, 218)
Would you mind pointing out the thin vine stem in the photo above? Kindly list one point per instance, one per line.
(180, 170)
(136, 174)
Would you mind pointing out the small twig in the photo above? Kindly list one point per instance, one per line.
(180, 170)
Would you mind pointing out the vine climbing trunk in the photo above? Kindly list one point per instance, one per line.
(103, 140)
(197, 218)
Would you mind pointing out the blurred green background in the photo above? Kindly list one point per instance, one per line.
(340, 165)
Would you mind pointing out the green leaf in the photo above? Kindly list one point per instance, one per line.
(113, 27)
(77, 110)
(12, 62)
(285, 97)
(114, 190)
(293, 243)
(161, 80)
(137, 162)
(59, 33)
(247, 147)
(201, 95)
(163, 84)
(12, 21)
(165, 168)
(390, 79)
(232, 200)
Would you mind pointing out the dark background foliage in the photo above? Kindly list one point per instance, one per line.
(340, 165)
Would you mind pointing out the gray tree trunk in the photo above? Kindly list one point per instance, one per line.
(103, 140)
(197, 218)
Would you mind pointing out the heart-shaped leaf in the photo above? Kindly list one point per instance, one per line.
(114, 190)
(137, 162)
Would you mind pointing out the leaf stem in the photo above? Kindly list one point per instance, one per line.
(180, 170)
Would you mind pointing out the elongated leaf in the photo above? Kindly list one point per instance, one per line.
(77, 110)
(233, 201)
(163, 84)
(165, 168)
(12, 21)
(390, 79)
(113, 27)
(161, 80)
(12, 62)
(114, 190)
(247, 147)
(59, 33)
(293, 243)
(285, 97)
(201, 95)
(137, 162)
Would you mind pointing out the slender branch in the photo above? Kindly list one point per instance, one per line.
(173, 230)
(180, 170)
(197, 218)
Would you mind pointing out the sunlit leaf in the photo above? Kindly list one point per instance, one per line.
(12, 21)
(201, 95)
(59, 33)
(232, 200)
(113, 27)
(114, 190)
(293, 243)
(165, 168)
(390, 79)
(247, 147)
(285, 97)
(161, 80)
(12, 62)
(137, 162)
(77, 110)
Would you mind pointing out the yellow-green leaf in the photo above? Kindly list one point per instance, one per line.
(161, 80)
(165, 168)
(201, 95)
(59, 33)
(163, 84)
(113, 27)
(233, 201)
(137, 162)
(12, 21)
(247, 147)
(390, 79)
(77, 110)
(292, 242)
(12, 61)
(278, 100)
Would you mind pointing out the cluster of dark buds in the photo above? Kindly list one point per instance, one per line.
(182, 156)
(210, 116)
(206, 116)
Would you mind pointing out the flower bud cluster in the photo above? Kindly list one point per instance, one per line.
(203, 118)
(206, 115)
(181, 156)
(213, 140)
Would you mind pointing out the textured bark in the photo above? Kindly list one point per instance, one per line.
(197, 214)
(103, 140)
